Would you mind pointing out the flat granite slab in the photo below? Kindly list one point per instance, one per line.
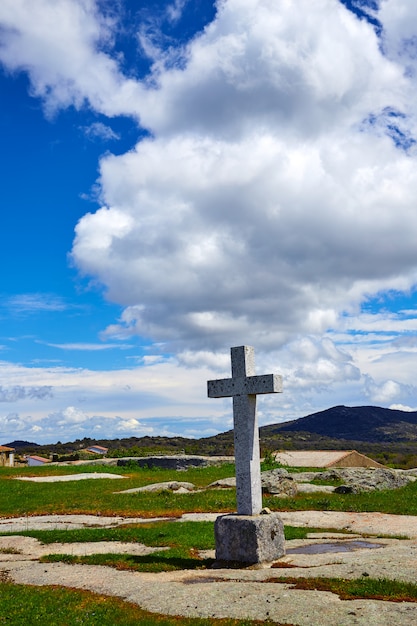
(69, 522)
(245, 593)
(364, 523)
(68, 477)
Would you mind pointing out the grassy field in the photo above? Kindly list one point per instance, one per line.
(98, 497)
(20, 498)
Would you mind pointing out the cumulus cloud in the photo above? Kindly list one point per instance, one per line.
(70, 424)
(399, 35)
(402, 407)
(272, 196)
(12, 423)
(310, 362)
(146, 398)
(258, 62)
(384, 393)
(266, 202)
(13, 394)
(65, 48)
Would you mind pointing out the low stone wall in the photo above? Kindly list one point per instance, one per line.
(176, 462)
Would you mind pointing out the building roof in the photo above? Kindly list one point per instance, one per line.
(38, 458)
(6, 449)
(94, 447)
(324, 458)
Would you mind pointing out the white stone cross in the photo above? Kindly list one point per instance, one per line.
(243, 387)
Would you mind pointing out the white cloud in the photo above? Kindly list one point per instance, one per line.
(274, 194)
(70, 415)
(71, 401)
(261, 62)
(89, 347)
(402, 407)
(384, 393)
(249, 215)
(133, 426)
(175, 9)
(18, 392)
(35, 302)
(98, 130)
(399, 35)
(65, 46)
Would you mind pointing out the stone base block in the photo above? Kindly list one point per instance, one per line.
(249, 538)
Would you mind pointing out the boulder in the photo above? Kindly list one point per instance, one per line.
(309, 488)
(304, 477)
(223, 483)
(173, 485)
(279, 482)
(360, 479)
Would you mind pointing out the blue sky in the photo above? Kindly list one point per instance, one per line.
(182, 176)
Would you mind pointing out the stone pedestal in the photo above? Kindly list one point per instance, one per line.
(249, 538)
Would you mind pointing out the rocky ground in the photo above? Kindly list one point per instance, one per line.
(241, 593)
(373, 550)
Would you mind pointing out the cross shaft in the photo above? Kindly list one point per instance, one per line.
(243, 388)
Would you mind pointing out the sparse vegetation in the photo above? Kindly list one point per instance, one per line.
(20, 604)
(365, 587)
(184, 541)
(269, 462)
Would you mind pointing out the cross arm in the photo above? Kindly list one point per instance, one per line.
(250, 385)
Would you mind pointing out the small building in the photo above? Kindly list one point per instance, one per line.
(97, 450)
(6, 456)
(34, 460)
(325, 458)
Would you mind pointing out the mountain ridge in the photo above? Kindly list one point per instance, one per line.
(360, 423)
(339, 425)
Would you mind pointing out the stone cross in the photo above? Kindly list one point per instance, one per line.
(244, 387)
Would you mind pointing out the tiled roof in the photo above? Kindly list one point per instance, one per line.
(314, 458)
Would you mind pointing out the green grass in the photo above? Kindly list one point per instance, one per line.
(198, 535)
(54, 606)
(163, 561)
(19, 498)
(184, 540)
(21, 604)
(396, 501)
(351, 589)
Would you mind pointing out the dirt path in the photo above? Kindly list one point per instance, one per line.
(242, 593)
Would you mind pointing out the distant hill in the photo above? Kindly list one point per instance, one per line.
(361, 423)
(371, 430)
(21, 444)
